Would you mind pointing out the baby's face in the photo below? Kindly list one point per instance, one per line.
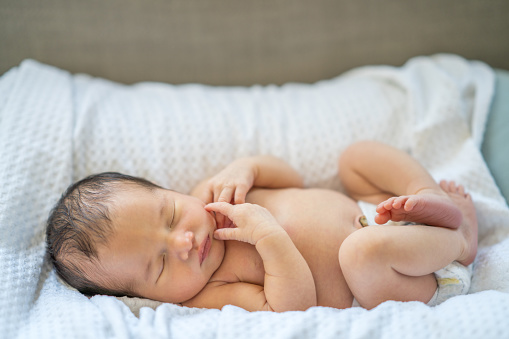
(163, 243)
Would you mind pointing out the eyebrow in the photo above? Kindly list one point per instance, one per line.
(161, 208)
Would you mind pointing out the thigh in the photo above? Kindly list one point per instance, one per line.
(390, 285)
(368, 261)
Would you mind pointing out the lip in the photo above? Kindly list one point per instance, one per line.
(204, 249)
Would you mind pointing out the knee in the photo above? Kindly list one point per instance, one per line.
(362, 252)
(351, 163)
(348, 156)
(357, 150)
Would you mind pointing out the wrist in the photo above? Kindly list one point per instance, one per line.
(248, 165)
(251, 165)
(274, 244)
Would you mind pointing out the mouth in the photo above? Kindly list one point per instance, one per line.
(204, 249)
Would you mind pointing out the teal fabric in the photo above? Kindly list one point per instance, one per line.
(495, 147)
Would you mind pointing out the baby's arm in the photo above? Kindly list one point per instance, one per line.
(234, 182)
(288, 283)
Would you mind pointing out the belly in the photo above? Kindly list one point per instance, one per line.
(318, 221)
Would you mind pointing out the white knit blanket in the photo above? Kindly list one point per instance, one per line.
(56, 128)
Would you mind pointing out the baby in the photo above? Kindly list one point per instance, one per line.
(253, 237)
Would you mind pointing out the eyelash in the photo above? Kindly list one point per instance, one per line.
(162, 270)
(169, 226)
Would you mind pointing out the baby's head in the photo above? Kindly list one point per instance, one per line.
(120, 235)
(81, 222)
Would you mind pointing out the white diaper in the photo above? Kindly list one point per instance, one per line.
(369, 211)
(452, 280)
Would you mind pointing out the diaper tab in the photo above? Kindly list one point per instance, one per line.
(363, 221)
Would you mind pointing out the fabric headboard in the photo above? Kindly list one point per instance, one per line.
(230, 42)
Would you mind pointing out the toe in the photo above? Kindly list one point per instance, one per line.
(398, 203)
(380, 208)
(388, 203)
(410, 204)
(382, 218)
(452, 186)
(444, 185)
(402, 202)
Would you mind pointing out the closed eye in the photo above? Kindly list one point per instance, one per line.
(173, 215)
(162, 267)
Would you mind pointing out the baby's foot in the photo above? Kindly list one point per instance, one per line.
(428, 207)
(468, 227)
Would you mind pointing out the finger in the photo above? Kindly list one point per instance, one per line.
(240, 194)
(220, 219)
(228, 223)
(226, 234)
(226, 195)
(217, 194)
(221, 207)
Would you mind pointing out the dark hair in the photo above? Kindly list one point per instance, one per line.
(79, 222)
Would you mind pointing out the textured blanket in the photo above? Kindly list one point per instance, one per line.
(56, 128)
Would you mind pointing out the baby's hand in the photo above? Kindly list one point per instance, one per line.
(251, 223)
(232, 183)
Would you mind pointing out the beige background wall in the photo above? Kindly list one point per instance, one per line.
(232, 42)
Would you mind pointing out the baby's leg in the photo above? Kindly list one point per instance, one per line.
(397, 263)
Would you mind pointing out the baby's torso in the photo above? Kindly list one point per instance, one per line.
(317, 221)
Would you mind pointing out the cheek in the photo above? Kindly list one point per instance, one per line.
(186, 289)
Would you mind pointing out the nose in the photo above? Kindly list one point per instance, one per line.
(182, 244)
